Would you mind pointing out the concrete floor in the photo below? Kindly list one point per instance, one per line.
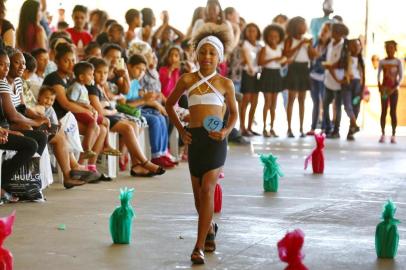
(338, 212)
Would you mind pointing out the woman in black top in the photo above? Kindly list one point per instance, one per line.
(65, 60)
(11, 92)
(26, 143)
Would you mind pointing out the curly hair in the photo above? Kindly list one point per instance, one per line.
(292, 28)
(222, 32)
(244, 32)
(273, 27)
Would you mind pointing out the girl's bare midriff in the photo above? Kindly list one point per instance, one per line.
(199, 112)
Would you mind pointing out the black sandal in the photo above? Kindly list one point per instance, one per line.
(159, 171)
(210, 244)
(197, 256)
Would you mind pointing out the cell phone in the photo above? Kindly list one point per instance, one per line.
(120, 64)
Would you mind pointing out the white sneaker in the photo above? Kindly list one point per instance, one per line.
(393, 139)
(382, 139)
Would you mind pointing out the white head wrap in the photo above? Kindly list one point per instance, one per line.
(216, 43)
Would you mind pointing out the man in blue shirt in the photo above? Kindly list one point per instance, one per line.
(316, 23)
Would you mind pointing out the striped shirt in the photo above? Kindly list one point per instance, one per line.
(15, 94)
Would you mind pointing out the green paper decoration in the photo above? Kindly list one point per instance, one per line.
(386, 235)
(121, 219)
(272, 172)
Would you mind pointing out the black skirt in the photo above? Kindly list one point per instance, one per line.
(204, 153)
(249, 84)
(298, 77)
(271, 80)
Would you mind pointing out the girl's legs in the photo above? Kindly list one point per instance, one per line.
(106, 145)
(97, 147)
(267, 106)
(356, 91)
(204, 202)
(315, 94)
(90, 132)
(126, 130)
(62, 157)
(337, 102)
(274, 96)
(253, 107)
(384, 111)
(301, 99)
(328, 99)
(291, 99)
(393, 99)
(244, 104)
(347, 100)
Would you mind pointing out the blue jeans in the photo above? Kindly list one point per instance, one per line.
(350, 91)
(329, 96)
(317, 90)
(158, 131)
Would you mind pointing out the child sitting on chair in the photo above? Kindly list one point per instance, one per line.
(77, 93)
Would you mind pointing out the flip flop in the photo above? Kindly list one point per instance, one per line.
(111, 152)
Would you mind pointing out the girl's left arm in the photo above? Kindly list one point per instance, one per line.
(232, 106)
(400, 74)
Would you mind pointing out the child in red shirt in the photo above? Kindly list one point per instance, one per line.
(78, 33)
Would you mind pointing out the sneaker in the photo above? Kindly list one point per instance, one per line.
(382, 139)
(163, 163)
(393, 139)
(171, 159)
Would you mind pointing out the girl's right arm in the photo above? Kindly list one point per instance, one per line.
(66, 103)
(379, 75)
(246, 60)
(262, 61)
(172, 100)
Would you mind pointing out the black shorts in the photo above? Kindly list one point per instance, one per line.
(204, 153)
